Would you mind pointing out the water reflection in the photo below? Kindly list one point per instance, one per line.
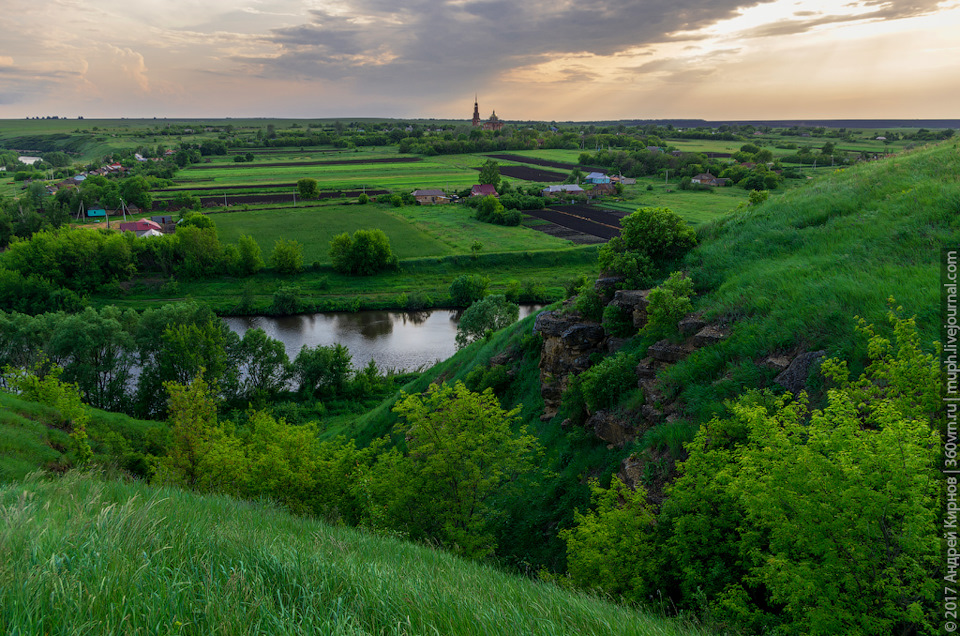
(394, 339)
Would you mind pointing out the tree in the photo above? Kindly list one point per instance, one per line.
(366, 252)
(287, 256)
(250, 255)
(307, 188)
(490, 314)
(461, 453)
(322, 371)
(193, 427)
(490, 173)
(649, 237)
(468, 288)
(265, 363)
(610, 547)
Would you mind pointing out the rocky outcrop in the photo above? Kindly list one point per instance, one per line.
(634, 302)
(568, 342)
(794, 378)
(614, 428)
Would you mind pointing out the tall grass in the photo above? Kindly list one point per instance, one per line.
(81, 555)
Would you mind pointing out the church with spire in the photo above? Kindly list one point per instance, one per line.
(493, 123)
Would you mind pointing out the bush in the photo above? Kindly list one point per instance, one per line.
(605, 383)
(363, 199)
(286, 300)
(669, 303)
(366, 253)
(287, 256)
(490, 314)
(618, 322)
(589, 303)
(467, 289)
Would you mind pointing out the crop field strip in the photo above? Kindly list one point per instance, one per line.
(253, 199)
(532, 174)
(546, 163)
(287, 164)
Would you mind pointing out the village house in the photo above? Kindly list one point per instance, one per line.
(596, 177)
(603, 189)
(707, 179)
(483, 190)
(142, 228)
(566, 188)
(430, 197)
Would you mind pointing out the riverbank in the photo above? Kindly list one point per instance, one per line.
(421, 283)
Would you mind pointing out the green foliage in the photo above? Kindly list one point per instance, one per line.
(668, 304)
(492, 313)
(307, 188)
(490, 173)
(461, 452)
(286, 300)
(396, 200)
(618, 321)
(758, 196)
(610, 548)
(491, 210)
(322, 371)
(197, 220)
(287, 256)
(847, 543)
(650, 237)
(605, 384)
(364, 254)
(49, 389)
(194, 428)
(250, 257)
(589, 303)
(363, 199)
(466, 289)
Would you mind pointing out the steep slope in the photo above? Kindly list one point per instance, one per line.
(83, 555)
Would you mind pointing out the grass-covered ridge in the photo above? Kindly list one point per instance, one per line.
(83, 555)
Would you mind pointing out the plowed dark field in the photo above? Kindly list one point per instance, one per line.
(582, 218)
(532, 174)
(339, 162)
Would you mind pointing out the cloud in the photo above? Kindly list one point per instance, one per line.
(435, 43)
(132, 65)
(884, 10)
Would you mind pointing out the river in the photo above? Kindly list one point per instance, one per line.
(394, 339)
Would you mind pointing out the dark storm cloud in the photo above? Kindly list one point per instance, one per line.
(429, 43)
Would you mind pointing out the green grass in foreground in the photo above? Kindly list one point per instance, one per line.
(82, 555)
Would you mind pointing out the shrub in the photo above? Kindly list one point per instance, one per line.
(287, 256)
(605, 383)
(286, 300)
(366, 253)
(490, 314)
(363, 199)
(466, 289)
(589, 303)
(618, 321)
(669, 302)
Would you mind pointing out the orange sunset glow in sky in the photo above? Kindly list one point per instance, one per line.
(544, 60)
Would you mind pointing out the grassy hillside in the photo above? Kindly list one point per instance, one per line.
(82, 555)
(35, 436)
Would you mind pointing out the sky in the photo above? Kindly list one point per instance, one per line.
(561, 60)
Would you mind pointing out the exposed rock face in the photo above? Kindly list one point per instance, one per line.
(691, 324)
(794, 379)
(617, 429)
(606, 287)
(710, 334)
(567, 345)
(666, 351)
(634, 302)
